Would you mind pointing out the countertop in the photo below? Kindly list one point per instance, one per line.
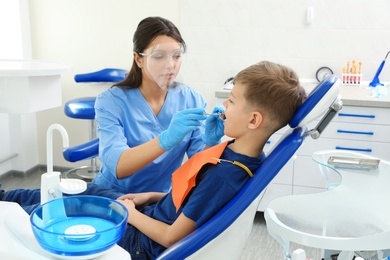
(26, 68)
(351, 95)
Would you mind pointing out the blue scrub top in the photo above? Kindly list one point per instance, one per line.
(125, 120)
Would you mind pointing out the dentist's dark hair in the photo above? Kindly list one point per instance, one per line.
(148, 29)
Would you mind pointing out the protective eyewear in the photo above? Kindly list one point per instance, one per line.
(163, 56)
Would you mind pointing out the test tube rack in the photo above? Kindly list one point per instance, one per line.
(352, 73)
(352, 79)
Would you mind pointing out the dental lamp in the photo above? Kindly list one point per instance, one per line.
(375, 81)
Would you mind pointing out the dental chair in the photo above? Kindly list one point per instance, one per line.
(225, 234)
(83, 108)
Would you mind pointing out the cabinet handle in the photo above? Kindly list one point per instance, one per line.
(354, 132)
(368, 150)
(356, 115)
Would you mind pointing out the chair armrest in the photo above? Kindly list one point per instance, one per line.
(104, 75)
(82, 152)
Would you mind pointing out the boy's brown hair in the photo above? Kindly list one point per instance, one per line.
(274, 90)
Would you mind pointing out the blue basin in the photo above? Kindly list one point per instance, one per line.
(79, 226)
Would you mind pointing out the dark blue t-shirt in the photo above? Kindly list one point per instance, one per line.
(215, 186)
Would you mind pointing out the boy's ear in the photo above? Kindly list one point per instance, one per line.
(256, 120)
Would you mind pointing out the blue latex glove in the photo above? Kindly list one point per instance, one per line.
(214, 127)
(181, 124)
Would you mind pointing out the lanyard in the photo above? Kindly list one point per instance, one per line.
(243, 166)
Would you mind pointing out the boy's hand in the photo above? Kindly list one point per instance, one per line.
(138, 199)
(129, 204)
(128, 196)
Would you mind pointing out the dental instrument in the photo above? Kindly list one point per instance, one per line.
(375, 81)
(209, 114)
(220, 114)
(213, 114)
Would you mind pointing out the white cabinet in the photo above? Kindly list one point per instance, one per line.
(355, 128)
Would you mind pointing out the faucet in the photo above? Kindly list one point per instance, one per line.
(49, 143)
(52, 186)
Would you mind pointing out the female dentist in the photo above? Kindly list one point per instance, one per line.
(148, 122)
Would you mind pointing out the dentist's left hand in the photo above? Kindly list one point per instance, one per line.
(214, 129)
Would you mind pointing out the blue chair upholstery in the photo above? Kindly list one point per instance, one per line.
(83, 151)
(225, 234)
(83, 108)
(104, 75)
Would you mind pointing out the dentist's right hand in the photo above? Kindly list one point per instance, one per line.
(181, 124)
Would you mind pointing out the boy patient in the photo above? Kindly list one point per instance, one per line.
(264, 98)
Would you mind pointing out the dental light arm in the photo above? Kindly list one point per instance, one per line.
(375, 81)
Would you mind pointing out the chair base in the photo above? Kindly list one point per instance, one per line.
(87, 173)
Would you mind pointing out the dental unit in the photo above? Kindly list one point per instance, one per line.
(74, 227)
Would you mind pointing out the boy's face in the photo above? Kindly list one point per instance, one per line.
(237, 113)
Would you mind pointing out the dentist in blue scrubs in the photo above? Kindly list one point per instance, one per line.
(148, 122)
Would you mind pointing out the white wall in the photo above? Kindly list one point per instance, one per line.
(91, 35)
(18, 133)
(223, 36)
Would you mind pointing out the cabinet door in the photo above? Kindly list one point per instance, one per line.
(354, 131)
(376, 149)
(363, 115)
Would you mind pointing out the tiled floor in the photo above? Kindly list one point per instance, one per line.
(15, 181)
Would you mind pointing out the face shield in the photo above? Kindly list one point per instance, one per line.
(163, 63)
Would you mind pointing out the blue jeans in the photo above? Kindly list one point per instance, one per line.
(31, 199)
(131, 242)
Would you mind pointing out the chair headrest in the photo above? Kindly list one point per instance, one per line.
(318, 102)
(105, 75)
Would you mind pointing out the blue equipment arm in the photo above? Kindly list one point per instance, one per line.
(82, 151)
(375, 81)
(104, 75)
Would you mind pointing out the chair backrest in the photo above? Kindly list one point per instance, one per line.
(225, 234)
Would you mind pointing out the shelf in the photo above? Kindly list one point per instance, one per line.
(28, 86)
